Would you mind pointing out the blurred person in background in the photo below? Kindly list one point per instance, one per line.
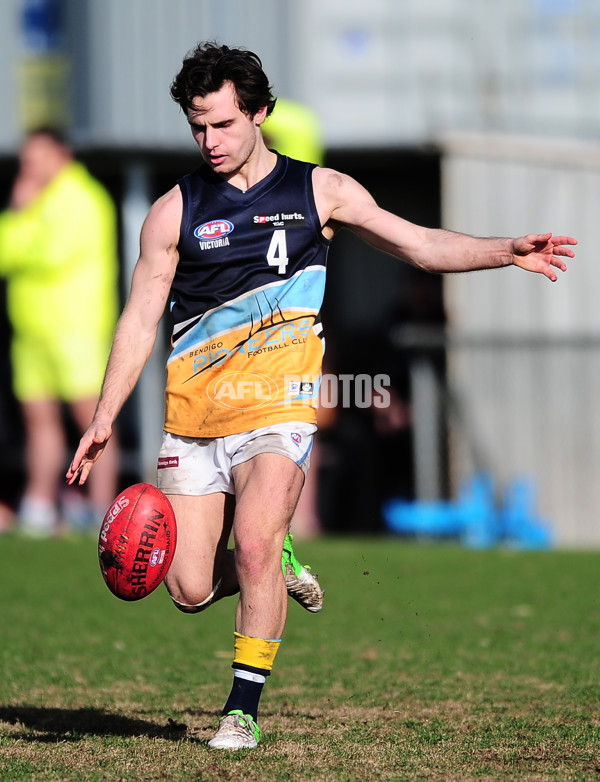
(58, 253)
(294, 130)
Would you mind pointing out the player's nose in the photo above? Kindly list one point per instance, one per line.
(211, 138)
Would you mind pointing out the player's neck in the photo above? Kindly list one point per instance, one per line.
(258, 166)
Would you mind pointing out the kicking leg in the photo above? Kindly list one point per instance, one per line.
(202, 570)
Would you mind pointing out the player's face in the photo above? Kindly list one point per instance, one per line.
(225, 135)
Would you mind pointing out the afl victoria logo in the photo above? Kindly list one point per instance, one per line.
(242, 390)
(215, 229)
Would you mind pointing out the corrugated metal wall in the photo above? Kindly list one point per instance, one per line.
(394, 72)
(526, 360)
(123, 54)
(134, 49)
(383, 73)
(9, 42)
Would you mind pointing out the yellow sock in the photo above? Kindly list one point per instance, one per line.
(255, 652)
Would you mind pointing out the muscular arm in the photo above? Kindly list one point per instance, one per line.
(137, 328)
(342, 201)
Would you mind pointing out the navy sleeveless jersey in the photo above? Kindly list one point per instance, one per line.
(247, 345)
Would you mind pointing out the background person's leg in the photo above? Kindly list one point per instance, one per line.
(45, 448)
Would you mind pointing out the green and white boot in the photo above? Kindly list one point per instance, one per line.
(302, 584)
(236, 731)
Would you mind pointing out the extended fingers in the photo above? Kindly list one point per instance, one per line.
(558, 263)
(563, 240)
(82, 458)
(72, 473)
(80, 470)
(561, 250)
(84, 471)
(559, 245)
(74, 470)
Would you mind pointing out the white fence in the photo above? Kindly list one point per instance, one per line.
(526, 368)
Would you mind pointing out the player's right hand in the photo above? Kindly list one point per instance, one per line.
(91, 446)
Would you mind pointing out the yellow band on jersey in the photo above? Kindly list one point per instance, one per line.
(256, 652)
(234, 384)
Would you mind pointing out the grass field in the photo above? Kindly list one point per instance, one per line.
(428, 662)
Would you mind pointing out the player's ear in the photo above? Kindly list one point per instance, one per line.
(260, 116)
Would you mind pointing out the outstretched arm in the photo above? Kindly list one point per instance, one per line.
(343, 202)
(137, 328)
(447, 251)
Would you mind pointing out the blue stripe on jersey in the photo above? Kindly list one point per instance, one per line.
(301, 292)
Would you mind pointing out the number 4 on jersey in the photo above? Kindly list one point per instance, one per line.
(277, 253)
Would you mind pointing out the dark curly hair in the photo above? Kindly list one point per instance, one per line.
(206, 69)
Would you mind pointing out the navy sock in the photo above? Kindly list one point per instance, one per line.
(245, 692)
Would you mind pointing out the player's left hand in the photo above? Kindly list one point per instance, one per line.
(539, 253)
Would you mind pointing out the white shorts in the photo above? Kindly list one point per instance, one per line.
(203, 465)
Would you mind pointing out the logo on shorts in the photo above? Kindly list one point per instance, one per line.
(242, 390)
(297, 438)
(167, 461)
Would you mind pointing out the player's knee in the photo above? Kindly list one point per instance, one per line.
(193, 602)
(254, 557)
(189, 609)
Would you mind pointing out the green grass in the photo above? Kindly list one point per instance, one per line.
(428, 662)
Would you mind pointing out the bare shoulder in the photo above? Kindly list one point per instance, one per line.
(339, 197)
(164, 218)
(329, 183)
(168, 207)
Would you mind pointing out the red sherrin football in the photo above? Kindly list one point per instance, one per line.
(137, 541)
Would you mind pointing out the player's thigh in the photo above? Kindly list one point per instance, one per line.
(267, 488)
(203, 529)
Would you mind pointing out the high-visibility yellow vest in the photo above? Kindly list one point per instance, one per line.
(59, 255)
